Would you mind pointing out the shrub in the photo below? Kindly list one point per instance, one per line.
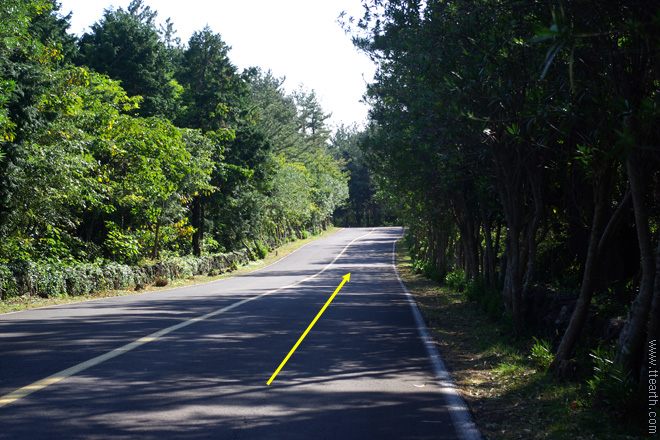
(262, 249)
(475, 289)
(541, 354)
(8, 285)
(161, 282)
(456, 280)
(45, 280)
(118, 276)
(124, 248)
(48, 279)
(610, 385)
(84, 279)
(211, 246)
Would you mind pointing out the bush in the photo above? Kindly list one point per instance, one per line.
(610, 386)
(51, 279)
(475, 289)
(541, 354)
(84, 280)
(456, 280)
(262, 249)
(45, 280)
(118, 276)
(429, 270)
(124, 248)
(161, 282)
(8, 285)
(211, 246)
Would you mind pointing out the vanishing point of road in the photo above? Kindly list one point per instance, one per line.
(193, 362)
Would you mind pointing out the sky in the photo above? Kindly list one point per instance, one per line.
(297, 39)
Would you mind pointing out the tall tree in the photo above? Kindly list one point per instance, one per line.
(126, 45)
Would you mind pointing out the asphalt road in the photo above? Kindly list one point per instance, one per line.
(361, 373)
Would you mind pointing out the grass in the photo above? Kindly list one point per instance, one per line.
(30, 302)
(505, 381)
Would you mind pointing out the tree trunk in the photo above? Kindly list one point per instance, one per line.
(630, 348)
(154, 253)
(473, 250)
(590, 274)
(197, 221)
(654, 321)
(513, 279)
(489, 257)
(442, 245)
(250, 254)
(533, 240)
(512, 193)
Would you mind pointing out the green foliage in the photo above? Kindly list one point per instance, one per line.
(126, 45)
(456, 280)
(84, 279)
(8, 284)
(362, 208)
(144, 149)
(291, 197)
(497, 126)
(277, 112)
(124, 248)
(429, 270)
(541, 353)
(262, 249)
(211, 85)
(491, 302)
(211, 246)
(610, 385)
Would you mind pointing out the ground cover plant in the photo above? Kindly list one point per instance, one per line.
(507, 381)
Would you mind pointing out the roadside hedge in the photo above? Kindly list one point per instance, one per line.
(46, 279)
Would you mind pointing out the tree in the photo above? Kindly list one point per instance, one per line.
(126, 45)
(277, 112)
(16, 42)
(311, 123)
(51, 29)
(539, 120)
(211, 83)
(362, 209)
(93, 167)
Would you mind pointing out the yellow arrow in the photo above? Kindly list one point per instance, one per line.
(347, 278)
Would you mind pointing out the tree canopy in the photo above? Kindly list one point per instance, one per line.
(126, 144)
(518, 140)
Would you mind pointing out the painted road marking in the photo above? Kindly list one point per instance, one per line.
(57, 377)
(458, 410)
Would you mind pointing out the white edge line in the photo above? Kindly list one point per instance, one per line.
(458, 410)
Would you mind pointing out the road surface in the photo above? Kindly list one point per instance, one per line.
(193, 362)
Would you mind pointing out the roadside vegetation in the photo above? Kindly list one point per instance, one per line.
(506, 381)
(125, 147)
(518, 141)
(24, 302)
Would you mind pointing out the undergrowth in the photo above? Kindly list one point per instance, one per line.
(506, 381)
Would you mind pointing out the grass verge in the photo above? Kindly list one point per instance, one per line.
(510, 395)
(30, 302)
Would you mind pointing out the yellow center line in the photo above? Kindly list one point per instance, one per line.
(50, 380)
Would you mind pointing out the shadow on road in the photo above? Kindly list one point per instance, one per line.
(361, 373)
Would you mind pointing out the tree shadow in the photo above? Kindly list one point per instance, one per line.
(362, 372)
